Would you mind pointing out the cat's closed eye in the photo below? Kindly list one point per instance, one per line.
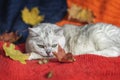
(54, 45)
(41, 46)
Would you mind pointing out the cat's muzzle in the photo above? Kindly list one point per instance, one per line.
(49, 53)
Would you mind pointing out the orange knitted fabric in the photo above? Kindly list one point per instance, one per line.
(107, 11)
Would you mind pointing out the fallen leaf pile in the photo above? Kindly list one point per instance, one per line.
(62, 56)
(9, 37)
(15, 54)
(32, 16)
(80, 14)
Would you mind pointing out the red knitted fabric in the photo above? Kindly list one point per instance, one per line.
(86, 67)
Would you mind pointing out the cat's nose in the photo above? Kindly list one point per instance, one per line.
(48, 52)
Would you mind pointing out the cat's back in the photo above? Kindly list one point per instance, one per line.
(71, 29)
(107, 29)
(45, 26)
(99, 27)
(91, 29)
(87, 27)
(102, 27)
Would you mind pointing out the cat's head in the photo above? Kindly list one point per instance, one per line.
(46, 38)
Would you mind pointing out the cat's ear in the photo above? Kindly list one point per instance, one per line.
(59, 32)
(32, 32)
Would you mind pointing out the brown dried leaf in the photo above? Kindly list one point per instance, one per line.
(9, 37)
(68, 58)
(62, 56)
(49, 74)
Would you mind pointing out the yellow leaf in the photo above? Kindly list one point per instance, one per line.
(35, 11)
(80, 14)
(15, 54)
(32, 17)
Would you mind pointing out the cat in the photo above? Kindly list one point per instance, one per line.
(99, 39)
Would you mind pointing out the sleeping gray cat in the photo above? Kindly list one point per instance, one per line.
(99, 39)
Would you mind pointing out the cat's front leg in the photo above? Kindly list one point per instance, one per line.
(34, 55)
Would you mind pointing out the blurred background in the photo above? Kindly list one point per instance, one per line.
(55, 11)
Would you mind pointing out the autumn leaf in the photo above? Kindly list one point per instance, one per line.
(80, 14)
(68, 58)
(32, 16)
(49, 74)
(62, 56)
(9, 37)
(73, 11)
(15, 54)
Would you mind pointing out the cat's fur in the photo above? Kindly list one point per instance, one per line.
(99, 39)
